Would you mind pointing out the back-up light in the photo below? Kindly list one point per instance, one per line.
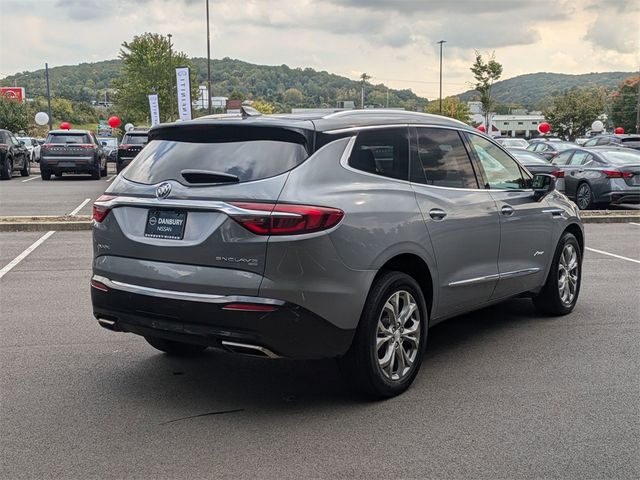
(100, 212)
(285, 219)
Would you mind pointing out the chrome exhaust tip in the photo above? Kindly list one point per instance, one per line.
(108, 324)
(247, 349)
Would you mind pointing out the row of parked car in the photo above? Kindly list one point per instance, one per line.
(67, 151)
(604, 171)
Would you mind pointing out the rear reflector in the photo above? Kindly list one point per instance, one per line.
(99, 286)
(285, 219)
(250, 307)
(100, 212)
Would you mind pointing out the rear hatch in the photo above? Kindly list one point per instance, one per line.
(196, 196)
(67, 144)
(132, 143)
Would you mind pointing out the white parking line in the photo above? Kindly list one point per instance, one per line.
(111, 178)
(29, 179)
(613, 255)
(6, 269)
(79, 207)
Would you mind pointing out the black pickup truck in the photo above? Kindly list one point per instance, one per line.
(72, 151)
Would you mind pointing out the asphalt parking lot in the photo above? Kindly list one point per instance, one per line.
(503, 393)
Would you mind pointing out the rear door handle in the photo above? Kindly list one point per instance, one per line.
(507, 210)
(437, 213)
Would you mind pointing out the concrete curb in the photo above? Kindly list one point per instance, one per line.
(610, 218)
(44, 226)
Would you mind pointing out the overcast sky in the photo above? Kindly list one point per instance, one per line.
(392, 40)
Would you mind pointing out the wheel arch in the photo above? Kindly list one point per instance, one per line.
(577, 232)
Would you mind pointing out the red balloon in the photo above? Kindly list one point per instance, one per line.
(65, 126)
(114, 122)
(482, 129)
(619, 131)
(544, 127)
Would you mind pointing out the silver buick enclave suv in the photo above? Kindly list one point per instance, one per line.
(346, 235)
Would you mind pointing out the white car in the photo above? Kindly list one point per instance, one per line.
(33, 146)
(512, 142)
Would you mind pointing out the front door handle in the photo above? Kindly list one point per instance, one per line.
(437, 213)
(507, 210)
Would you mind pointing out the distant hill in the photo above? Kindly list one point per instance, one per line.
(90, 81)
(534, 89)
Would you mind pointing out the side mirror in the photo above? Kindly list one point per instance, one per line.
(543, 184)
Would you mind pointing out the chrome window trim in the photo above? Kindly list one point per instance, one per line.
(187, 296)
(497, 276)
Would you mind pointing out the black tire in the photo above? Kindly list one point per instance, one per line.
(118, 168)
(584, 196)
(549, 300)
(45, 174)
(6, 170)
(103, 172)
(361, 363)
(26, 170)
(175, 349)
(58, 175)
(95, 173)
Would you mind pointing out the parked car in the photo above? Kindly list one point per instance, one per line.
(33, 146)
(311, 237)
(110, 145)
(625, 140)
(14, 156)
(536, 163)
(550, 149)
(545, 138)
(510, 142)
(131, 144)
(72, 151)
(601, 176)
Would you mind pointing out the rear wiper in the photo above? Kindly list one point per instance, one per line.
(207, 176)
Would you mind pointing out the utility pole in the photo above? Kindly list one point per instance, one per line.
(441, 42)
(46, 73)
(208, 62)
(171, 74)
(638, 107)
(364, 78)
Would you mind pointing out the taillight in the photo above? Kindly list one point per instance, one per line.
(250, 307)
(284, 219)
(612, 173)
(558, 173)
(84, 145)
(627, 174)
(123, 146)
(100, 212)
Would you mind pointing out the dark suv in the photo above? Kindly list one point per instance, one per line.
(614, 140)
(14, 156)
(72, 151)
(345, 236)
(131, 144)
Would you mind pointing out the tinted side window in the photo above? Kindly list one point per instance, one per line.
(562, 158)
(383, 152)
(443, 159)
(500, 170)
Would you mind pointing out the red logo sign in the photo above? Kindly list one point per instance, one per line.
(13, 93)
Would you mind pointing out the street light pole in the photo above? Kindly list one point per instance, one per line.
(208, 63)
(171, 74)
(441, 42)
(46, 72)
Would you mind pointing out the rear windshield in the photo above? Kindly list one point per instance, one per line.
(529, 158)
(621, 157)
(630, 139)
(68, 138)
(247, 160)
(129, 139)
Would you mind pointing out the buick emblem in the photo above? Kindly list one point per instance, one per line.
(163, 190)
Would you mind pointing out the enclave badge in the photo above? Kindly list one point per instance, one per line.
(163, 190)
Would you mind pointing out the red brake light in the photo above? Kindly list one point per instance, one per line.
(100, 212)
(627, 174)
(558, 174)
(250, 307)
(284, 219)
(123, 146)
(612, 173)
(84, 145)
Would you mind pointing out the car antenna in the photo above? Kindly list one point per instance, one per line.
(247, 112)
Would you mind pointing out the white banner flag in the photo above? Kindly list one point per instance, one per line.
(184, 92)
(154, 108)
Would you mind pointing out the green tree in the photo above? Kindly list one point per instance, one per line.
(572, 113)
(13, 115)
(264, 107)
(236, 95)
(486, 73)
(624, 107)
(293, 97)
(146, 69)
(451, 107)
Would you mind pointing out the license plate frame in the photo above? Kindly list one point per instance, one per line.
(161, 224)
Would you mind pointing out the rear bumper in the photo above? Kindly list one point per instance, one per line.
(616, 198)
(288, 331)
(68, 164)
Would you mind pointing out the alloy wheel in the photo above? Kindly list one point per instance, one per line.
(584, 196)
(568, 272)
(398, 335)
